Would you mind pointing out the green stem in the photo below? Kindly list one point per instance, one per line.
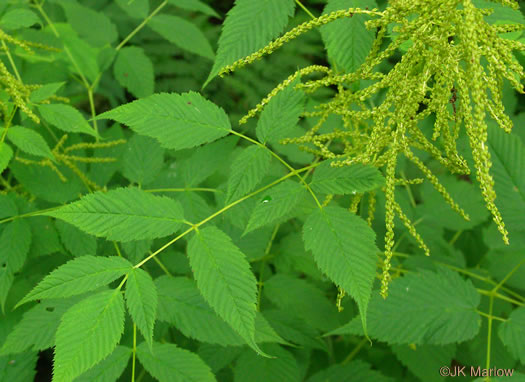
(134, 354)
(305, 9)
(10, 58)
(354, 352)
(490, 316)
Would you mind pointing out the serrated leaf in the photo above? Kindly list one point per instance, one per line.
(225, 280)
(347, 40)
(109, 369)
(276, 203)
(248, 27)
(344, 248)
(45, 91)
(16, 241)
(252, 368)
(182, 33)
(137, 8)
(422, 358)
(281, 114)
(123, 214)
(134, 71)
(195, 5)
(18, 18)
(177, 121)
(28, 141)
(142, 160)
(422, 308)
(77, 242)
(247, 170)
(512, 333)
(355, 371)
(6, 153)
(36, 331)
(19, 367)
(346, 180)
(141, 300)
(83, 274)
(94, 27)
(88, 332)
(66, 118)
(169, 363)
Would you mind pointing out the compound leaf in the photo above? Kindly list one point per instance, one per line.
(169, 363)
(344, 248)
(177, 121)
(88, 332)
(225, 280)
(109, 369)
(83, 274)
(141, 300)
(512, 332)
(123, 214)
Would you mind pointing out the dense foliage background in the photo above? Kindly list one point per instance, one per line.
(244, 293)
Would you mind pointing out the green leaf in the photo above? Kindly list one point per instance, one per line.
(36, 331)
(134, 71)
(88, 332)
(177, 121)
(80, 275)
(422, 308)
(45, 91)
(16, 241)
(281, 114)
(248, 27)
(138, 9)
(344, 247)
(19, 367)
(182, 33)
(512, 333)
(225, 280)
(76, 241)
(94, 27)
(355, 371)
(252, 368)
(169, 363)
(347, 41)
(420, 359)
(28, 141)
(141, 300)
(142, 160)
(6, 153)
(195, 5)
(508, 167)
(123, 214)
(346, 180)
(109, 369)
(18, 18)
(275, 204)
(65, 118)
(247, 170)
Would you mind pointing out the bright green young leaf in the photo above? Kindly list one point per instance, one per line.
(80, 275)
(435, 309)
(141, 300)
(134, 71)
(66, 118)
(225, 280)
(77, 242)
(508, 168)
(347, 40)
(109, 369)
(195, 5)
(177, 121)
(142, 160)
(138, 9)
(248, 27)
(344, 247)
(123, 214)
(182, 33)
(512, 333)
(88, 332)
(18, 18)
(6, 153)
(94, 27)
(247, 170)
(45, 91)
(36, 331)
(169, 363)
(281, 114)
(346, 180)
(28, 141)
(251, 367)
(276, 204)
